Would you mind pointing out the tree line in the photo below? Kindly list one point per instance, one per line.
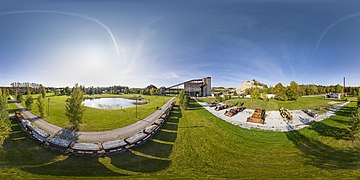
(294, 91)
(4, 116)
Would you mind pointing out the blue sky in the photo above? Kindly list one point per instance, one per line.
(136, 43)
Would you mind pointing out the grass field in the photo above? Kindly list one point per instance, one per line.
(99, 119)
(194, 143)
(274, 105)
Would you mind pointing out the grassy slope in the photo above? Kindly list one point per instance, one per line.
(302, 103)
(195, 143)
(99, 119)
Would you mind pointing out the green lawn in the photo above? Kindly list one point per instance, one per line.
(273, 105)
(194, 143)
(99, 119)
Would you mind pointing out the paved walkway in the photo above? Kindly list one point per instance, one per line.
(96, 137)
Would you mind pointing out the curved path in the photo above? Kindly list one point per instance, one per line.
(93, 137)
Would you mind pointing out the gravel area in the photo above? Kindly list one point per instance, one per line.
(273, 120)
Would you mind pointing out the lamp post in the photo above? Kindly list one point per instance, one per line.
(49, 107)
(136, 105)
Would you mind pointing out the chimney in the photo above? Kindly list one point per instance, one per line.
(344, 85)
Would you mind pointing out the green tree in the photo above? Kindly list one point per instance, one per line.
(264, 97)
(74, 107)
(280, 92)
(16, 93)
(67, 90)
(152, 91)
(218, 97)
(355, 126)
(181, 96)
(19, 98)
(29, 99)
(57, 92)
(255, 93)
(293, 92)
(185, 103)
(355, 92)
(4, 117)
(235, 93)
(43, 91)
(40, 103)
(339, 88)
(358, 102)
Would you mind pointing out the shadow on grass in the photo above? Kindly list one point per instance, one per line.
(152, 156)
(193, 105)
(324, 156)
(330, 131)
(344, 111)
(73, 166)
(19, 151)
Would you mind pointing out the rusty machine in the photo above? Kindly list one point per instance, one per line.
(232, 112)
(221, 107)
(285, 114)
(258, 116)
(213, 103)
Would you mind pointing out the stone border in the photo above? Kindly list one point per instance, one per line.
(106, 148)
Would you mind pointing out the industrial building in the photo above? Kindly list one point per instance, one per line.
(194, 87)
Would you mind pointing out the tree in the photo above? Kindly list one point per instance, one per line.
(19, 98)
(280, 92)
(219, 98)
(293, 92)
(235, 93)
(355, 126)
(4, 117)
(67, 91)
(339, 88)
(264, 97)
(57, 92)
(16, 93)
(185, 103)
(355, 92)
(152, 91)
(29, 100)
(181, 96)
(358, 102)
(255, 93)
(74, 107)
(41, 105)
(43, 91)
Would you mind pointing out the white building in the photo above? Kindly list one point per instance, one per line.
(333, 95)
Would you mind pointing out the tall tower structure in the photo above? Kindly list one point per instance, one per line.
(344, 85)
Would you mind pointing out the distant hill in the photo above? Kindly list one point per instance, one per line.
(249, 84)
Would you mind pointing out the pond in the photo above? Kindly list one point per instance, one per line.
(110, 103)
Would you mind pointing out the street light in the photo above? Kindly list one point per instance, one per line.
(49, 107)
(136, 106)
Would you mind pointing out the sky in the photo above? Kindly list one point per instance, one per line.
(161, 42)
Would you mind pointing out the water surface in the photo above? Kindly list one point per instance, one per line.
(110, 103)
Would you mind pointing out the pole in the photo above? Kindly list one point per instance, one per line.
(49, 107)
(136, 106)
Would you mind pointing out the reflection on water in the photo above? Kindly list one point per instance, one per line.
(110, 103)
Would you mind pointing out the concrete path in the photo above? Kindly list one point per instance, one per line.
(95, 137)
